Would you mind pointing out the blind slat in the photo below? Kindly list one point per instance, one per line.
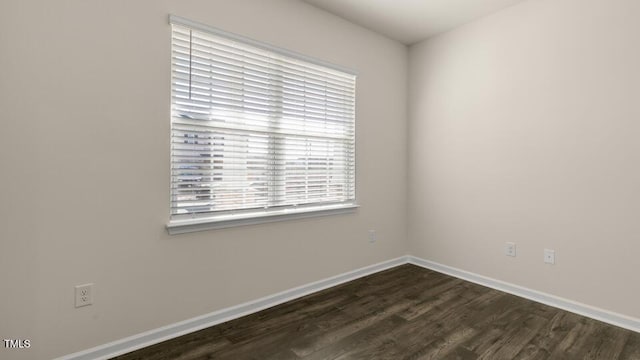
(256, 129)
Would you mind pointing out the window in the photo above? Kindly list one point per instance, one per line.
(256, 131)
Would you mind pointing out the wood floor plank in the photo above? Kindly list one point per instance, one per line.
(385, 349)
(190, 346)
(406, 312)
(607, 342)
(356, 341)
(271, 320)
(492, 313)
(264, 345)
(284, 354)
(576, 340)
(442, 346)
(460, 353)
(632, 347)
(312, 344)
(540, 347)
(429, 300)
(513, 340)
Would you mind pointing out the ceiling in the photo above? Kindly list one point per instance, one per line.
(410, 21)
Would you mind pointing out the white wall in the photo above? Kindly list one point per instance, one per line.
(84, 149)
(524, 127)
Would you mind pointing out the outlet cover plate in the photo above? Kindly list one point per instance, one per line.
(510, 249)
(84, 295)
(373, 237)
(549, 256)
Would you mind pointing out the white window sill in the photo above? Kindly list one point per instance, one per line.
(225, 221)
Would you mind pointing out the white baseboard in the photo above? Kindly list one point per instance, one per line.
(606, 316)
(155, 336)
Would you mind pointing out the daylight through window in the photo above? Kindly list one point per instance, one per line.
(255, 130)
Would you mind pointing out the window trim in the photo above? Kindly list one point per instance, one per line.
(258, 217)
(252, 217)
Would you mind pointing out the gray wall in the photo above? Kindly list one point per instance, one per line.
(84, 95)
(524, 127)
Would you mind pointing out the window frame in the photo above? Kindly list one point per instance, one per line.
(241, 217)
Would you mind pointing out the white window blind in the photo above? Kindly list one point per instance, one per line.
(256, 130)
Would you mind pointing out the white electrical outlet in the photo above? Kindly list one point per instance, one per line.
(372, 236)
(84, 295)
(510, 249)
(549, 256)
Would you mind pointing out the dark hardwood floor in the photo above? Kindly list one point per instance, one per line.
(404, 313)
